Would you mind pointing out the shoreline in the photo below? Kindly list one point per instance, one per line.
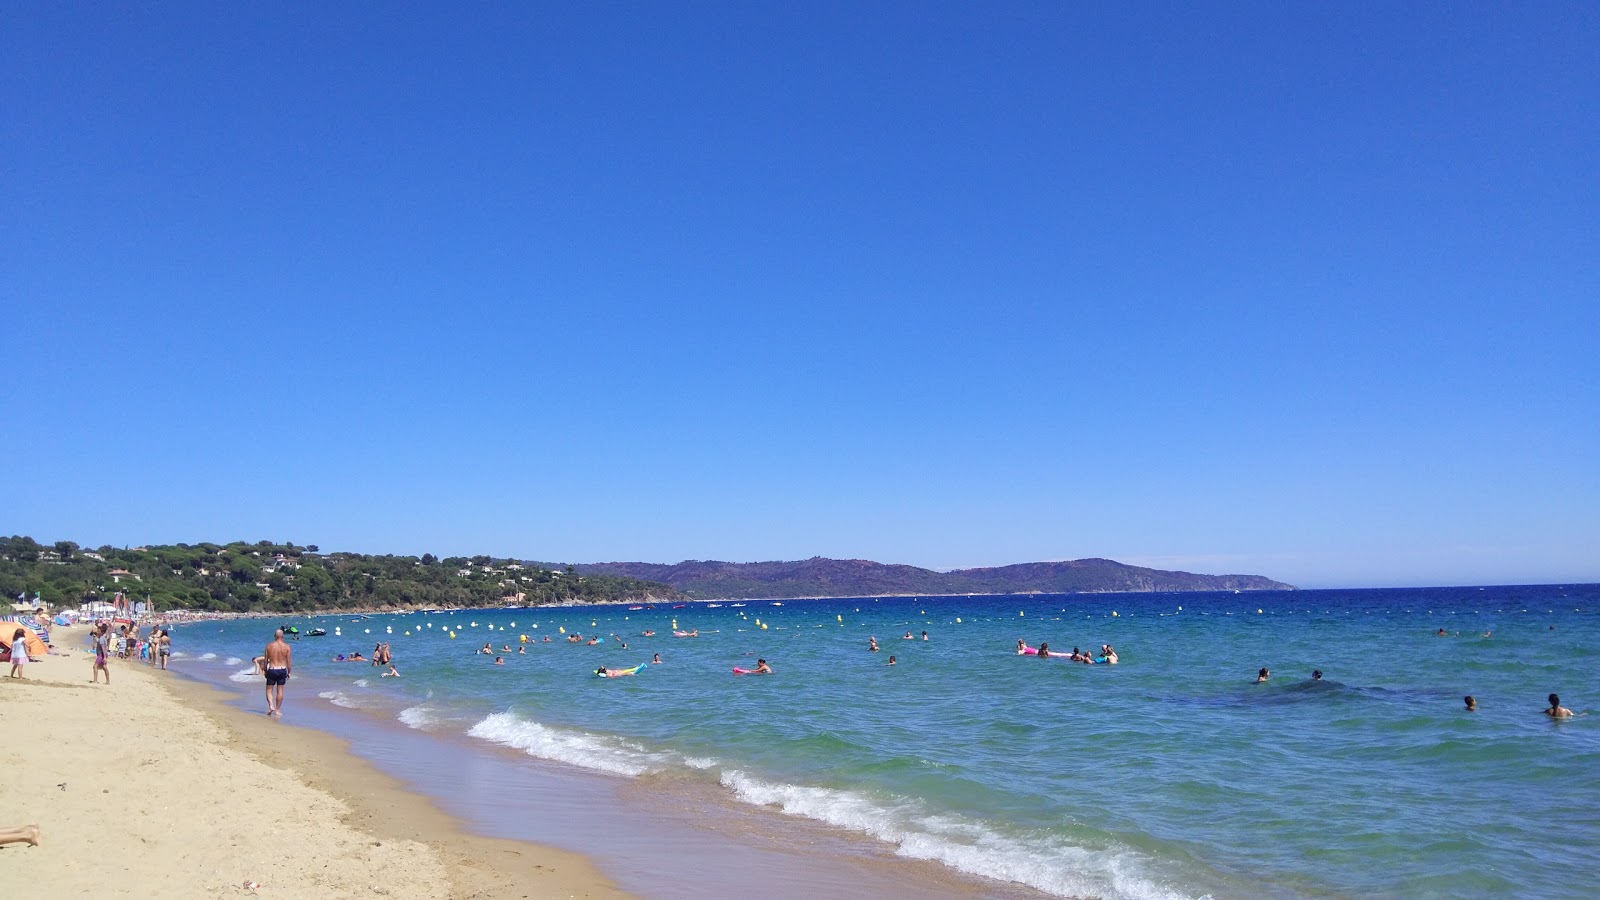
(199, 797)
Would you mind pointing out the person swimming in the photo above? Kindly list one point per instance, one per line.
(891, 660)
(392, 673)
(1316, 675)
(655, 660)
(908, 637)
(498, 661)
(1556, 710)
(1472, 703)
(1044, 651)
(1022, 647)
(872, 644)
(762, 668)
(1263, 675)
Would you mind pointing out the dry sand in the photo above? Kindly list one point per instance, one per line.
(154, 787)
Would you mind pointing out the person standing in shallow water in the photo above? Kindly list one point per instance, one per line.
(279, 660)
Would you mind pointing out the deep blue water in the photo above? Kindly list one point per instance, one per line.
(1170, 774)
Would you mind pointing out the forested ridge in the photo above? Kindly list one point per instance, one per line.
(281, 577)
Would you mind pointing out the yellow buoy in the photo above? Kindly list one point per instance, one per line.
(408, 634)
(958, 620)
(561, 628)
(1258, 612)
(452, 635)
(1021, 612)
(1113, 613)
(763, 628)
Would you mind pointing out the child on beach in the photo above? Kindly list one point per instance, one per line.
(19, 653)
(102, 649)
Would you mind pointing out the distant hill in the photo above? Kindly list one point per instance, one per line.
(821, 577)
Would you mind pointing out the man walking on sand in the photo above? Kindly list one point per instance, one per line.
(278, 663)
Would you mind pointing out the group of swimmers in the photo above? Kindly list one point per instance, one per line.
(1108, 654)
(1555, 710)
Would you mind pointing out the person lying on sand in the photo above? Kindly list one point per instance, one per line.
(19, 833)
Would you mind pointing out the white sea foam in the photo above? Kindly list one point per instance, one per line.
(208, 656)
(338, 698)
(577, 748)
(417, 717)
(233, 661)
(1047, 863)
(361, 682)
(249, 674)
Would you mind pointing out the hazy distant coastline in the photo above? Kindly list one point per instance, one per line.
(820, 577)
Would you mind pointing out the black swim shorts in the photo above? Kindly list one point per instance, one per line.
(277, 676)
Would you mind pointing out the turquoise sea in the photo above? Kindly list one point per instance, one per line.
(1170, 774)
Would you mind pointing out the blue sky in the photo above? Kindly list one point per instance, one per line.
(1305, 290)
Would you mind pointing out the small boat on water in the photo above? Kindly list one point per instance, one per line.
(679, 605)
(713, 606)
(635, 608)
(317, 632)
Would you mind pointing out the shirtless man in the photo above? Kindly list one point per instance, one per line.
(1556, 710)
(278, 663)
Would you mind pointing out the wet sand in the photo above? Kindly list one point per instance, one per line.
(656, 836)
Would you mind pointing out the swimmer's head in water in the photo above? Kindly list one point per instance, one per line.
(1472, 703)
(1317, 675)
(1555, 701)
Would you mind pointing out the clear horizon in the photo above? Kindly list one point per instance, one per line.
(1301, 292)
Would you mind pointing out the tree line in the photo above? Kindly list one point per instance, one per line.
(268, 576)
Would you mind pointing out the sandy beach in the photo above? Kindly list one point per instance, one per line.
(154, 786)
